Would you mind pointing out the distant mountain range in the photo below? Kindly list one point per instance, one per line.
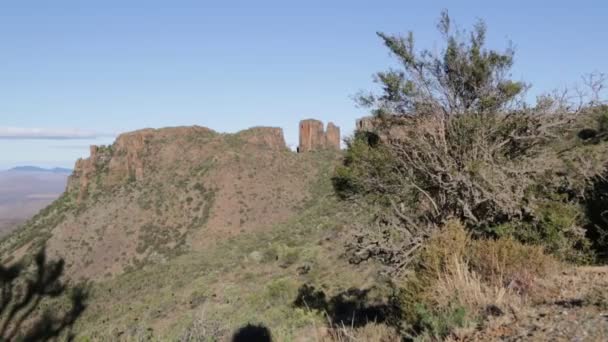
(28, 168)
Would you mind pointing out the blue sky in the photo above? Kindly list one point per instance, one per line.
(91, 69)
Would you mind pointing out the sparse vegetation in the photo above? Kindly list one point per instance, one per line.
(461, 208)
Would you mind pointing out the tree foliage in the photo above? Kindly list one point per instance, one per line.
(451, 139)
(26, 289)
(464, 77)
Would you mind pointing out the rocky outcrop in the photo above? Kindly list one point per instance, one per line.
(127, 162)
(268, 137)
(313, 137)
(111, 165)
(332, 136)
(367, 123)
(134, 155)
(387, 129)
(85, 169)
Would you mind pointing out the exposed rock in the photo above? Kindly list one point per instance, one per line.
(387, 129)
(313, 137)
(85, 169)
(127, 160)
(367, 123)
(156, 193)
(332, 136)
(270, 137)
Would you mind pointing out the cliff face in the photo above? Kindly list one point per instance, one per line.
(117, 163)
(387, 129)
(266, 137)
(126, 160)
(313, 137)
(332, 136)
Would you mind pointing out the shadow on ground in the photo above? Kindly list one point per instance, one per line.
(352, 307)
(252, 333)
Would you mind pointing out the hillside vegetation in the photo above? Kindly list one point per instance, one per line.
(155, 194)
(477, 196)
(458, 211)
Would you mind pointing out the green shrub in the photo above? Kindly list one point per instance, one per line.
(602, 118)
(597, 296)
(447, 141)
(596, 210)
(283, 254)
(501, 261)
(557, 226)
(437, 325)
(280, 291)
(456, 277)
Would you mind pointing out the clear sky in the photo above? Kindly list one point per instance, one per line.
(87, 70)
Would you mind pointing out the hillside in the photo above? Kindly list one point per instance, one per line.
(456, 212)
(155, 194)
(250, 278)
(186, 232)
(190, 235)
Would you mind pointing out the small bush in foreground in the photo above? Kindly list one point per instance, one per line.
(459, 280)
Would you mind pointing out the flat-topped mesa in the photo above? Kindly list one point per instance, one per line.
(314, 138)
(267, 137)
(135, 156)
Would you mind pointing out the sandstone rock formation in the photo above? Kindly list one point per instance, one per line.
(313, 137)
(125, 160)
(387, 129)
(267, 137)
(332, 136)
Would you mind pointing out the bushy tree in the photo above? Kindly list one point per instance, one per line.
(451, 138)
(26, 289)
(464, 77)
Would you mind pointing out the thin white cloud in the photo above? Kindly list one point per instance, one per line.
(20, 133)
(72, 147)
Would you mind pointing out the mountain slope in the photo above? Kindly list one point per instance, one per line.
(188, 234)
(155, 194)
(253, 277)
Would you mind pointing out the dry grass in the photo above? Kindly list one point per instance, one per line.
(370, 332)
(460, 281)
(460, 284)
(508, 263)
